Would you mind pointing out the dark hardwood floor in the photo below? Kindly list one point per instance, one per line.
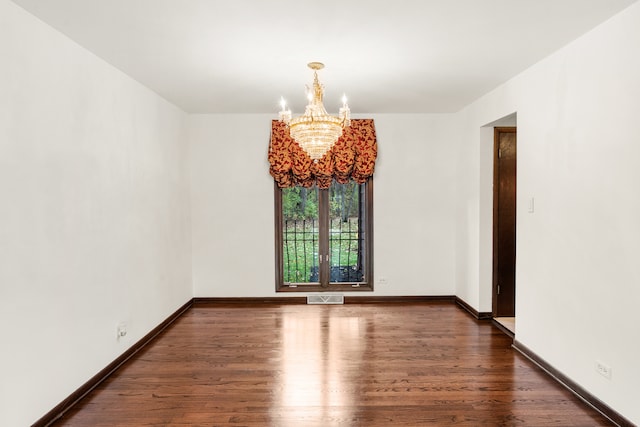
(351, 365)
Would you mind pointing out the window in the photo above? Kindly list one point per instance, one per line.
(324, 237)
(324, 229)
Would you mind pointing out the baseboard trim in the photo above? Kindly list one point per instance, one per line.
(204, 301)
(57, 412)
(613, 416)
(348, 299)
(479, 315)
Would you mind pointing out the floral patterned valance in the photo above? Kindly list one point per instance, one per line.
(352, 157)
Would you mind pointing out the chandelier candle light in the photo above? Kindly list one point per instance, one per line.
(316, 131)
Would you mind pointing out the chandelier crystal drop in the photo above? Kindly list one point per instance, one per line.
(316, 131)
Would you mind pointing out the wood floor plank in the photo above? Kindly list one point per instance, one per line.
(311, 365)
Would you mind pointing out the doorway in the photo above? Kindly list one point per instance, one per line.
(504, 224)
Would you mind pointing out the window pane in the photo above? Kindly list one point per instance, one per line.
(300, 245)
(346, 226)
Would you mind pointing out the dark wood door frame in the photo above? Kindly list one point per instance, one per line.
(504, 221)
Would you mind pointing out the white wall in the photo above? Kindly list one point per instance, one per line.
(577, 254)
(231, 206)
(233, 218)
(414, 205)
(94, 225)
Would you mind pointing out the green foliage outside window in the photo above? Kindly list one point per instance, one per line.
(300, 230)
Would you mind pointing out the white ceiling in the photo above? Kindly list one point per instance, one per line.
(402, 56)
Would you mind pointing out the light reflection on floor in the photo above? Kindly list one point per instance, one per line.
(316, 352)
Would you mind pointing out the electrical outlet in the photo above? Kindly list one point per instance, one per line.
(604, 370)
(382, 281)
(121, 330)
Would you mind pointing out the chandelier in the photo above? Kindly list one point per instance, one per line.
(316, 131)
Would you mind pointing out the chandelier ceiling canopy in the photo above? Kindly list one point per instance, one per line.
(316, 131)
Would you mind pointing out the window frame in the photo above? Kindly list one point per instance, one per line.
(325, 285)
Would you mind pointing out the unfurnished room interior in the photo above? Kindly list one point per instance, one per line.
(339, 213)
